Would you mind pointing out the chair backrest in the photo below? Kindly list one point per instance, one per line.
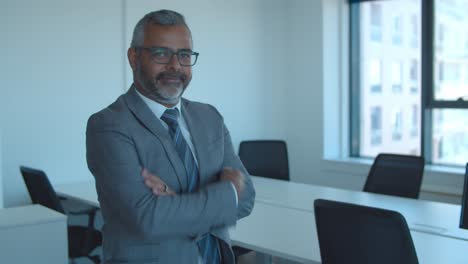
(396, 174)
(265, 158)
(464, 203)
(350, 233)
(40, 190)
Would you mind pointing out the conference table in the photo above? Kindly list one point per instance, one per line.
(283, 224)
(421, 215)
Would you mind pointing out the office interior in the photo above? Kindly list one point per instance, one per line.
(275, 69)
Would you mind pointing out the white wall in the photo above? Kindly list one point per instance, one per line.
(66, 59)
(274, 69)
(1, 170)
(304, 82)
(62, 61)
(240, 66)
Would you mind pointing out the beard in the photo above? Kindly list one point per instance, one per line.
(165, 88)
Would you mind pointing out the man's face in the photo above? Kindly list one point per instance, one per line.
(163, 83)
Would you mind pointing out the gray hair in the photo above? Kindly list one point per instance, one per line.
(160, 17)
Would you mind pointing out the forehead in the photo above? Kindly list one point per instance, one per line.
(174, 37)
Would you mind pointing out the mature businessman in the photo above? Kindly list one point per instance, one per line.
(168, 180)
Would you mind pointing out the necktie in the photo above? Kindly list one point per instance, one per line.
(208, 245)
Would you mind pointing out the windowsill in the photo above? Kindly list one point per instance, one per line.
(437, 179)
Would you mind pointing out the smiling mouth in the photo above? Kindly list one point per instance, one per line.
(171, 78)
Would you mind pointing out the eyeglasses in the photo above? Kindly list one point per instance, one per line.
(162, 55)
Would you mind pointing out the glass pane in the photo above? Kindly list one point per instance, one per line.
(390, 93)
(375, 79)
(450, 136)
(451, 49)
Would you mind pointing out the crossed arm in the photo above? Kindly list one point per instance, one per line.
(129, 199)
(159, 187)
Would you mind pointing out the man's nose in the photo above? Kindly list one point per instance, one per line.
(173, 63)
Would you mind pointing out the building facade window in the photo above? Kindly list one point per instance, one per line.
(414, 30)
(397, 28)
(426, 76)
(376, 22)
(414, 76)
(376, 125)
(414, 121)
(375, 76)
(397, 80)
(397, 125)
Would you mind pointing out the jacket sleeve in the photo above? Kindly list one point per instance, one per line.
(231, 159)
(247, 198)
(115, 163)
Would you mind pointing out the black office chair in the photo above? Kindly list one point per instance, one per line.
(265, 158)
(394, 174)
(464, 203)
(82, 240)
(349, 233)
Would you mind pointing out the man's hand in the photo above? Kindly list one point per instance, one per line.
(156, 184)
(235, 176)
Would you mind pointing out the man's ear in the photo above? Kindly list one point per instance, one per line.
(132, 56)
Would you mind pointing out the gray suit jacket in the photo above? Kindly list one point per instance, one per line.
(140, 227)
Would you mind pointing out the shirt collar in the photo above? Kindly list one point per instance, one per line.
(157, 108)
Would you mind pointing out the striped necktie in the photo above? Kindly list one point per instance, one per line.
(208, 245)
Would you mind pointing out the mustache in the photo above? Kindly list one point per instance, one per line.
(172, 75)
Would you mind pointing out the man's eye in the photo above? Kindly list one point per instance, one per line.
(160, 54)
(185, 55)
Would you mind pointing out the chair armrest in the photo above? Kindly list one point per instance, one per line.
(76, 207)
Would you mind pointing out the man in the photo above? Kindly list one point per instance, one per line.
(168, 180)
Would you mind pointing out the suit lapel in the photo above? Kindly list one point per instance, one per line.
(193, 121)
(142, 112)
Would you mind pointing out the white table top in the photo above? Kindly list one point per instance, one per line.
(291, 234)
(283, 224)
(29, 215)
(426, 216)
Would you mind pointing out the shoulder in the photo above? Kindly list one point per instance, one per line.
(112, 116)
(200, 108)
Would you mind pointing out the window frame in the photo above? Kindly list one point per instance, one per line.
(426, 78)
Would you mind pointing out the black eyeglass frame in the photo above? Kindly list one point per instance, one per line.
(172, 53)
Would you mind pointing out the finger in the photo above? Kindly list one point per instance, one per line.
(159, 183)
(227, 169)
(170, 191)
(159, 193)
(155, 184)
(145, 173)
(150, 177)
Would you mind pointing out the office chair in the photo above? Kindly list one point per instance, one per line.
(349, 233)
(394, 174)
(82, 240)
(265, 158)
(464, 203)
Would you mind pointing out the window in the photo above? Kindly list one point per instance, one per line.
(426, 77)
(414, 30)
(376, 126)
(414, 121)
(466, 42)
(376, 22)
(466, 74)
(441, 32)
(375, 76)
(450, 136)
(397, 34)
(396, 77)
(397, 129)
(414, 73)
